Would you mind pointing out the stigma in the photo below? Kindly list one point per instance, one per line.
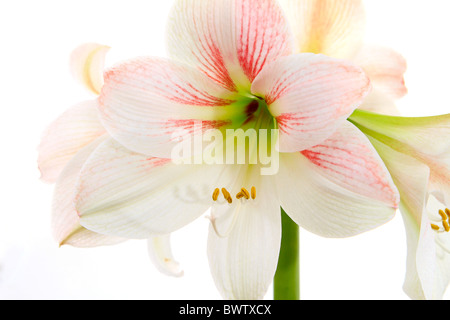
(445, 216)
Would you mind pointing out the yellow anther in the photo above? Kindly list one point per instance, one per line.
(443, 215)
(446, 226)
(240, 195)
(227, 195)
(435, 227)
(253, 193)
(216, 194)
(447, 211)
(246, 193)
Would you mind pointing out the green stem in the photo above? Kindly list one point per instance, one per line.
(287, 278)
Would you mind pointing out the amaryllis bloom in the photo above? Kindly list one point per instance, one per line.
(417, 153)
(66, 145)
(232, 66)
(337, 29)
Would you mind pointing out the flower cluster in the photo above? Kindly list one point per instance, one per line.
(295, 67)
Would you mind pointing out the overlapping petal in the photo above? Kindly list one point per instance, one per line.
(334, 28)
(68, 134)
(310, 96)
(229, 40)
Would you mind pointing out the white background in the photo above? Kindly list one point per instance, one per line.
(36, 40)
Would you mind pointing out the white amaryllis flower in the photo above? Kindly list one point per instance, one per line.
(417, 153)
(66, 145)
(232, 67)
(337, 29)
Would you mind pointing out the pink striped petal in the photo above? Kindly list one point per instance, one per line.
(348, 159)
(310, 96)
(144, 101)
(160, 253)
(229, 40)
(72, 131)
(385, 68)
(87, 64)
(66, 226)
(316, 202)
(332, 27)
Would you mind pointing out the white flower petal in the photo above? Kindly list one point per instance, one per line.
(323, 207)
(87, 63)
(434, 269)
(66, 226)
(130, 195)
(310, 96)
(243, 264)
(385, 68)
(160, 253)
(72, 131)
(229, 40)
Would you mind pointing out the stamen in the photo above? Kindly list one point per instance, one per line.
(435, 227)
(216, 194)
(446, 226)
(443, 215)
(227, 195)
(240, 195)
(447, 211)
(253, 193)
(246, 193)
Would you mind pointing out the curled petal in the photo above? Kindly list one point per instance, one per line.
(160, 252)
(87, 63)
(310, 96)
(334, 28)
(228, 40)
(67, 135)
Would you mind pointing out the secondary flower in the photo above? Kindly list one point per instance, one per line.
(66, 145)
(337, 29)
(417, 153)
(232, 67)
